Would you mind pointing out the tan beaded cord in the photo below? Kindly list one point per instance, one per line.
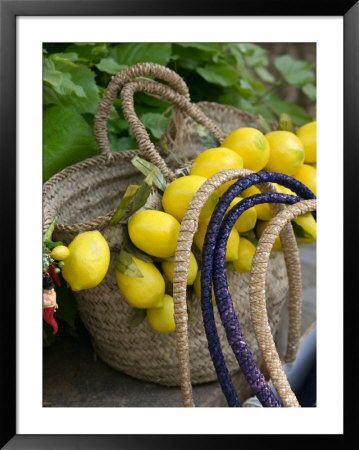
(257, 292)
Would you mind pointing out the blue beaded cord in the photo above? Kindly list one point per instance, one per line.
(266, 396)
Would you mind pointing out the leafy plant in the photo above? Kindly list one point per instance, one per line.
(76, 75)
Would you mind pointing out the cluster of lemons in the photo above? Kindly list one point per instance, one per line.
(156, 232)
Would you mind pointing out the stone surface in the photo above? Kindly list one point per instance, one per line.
(72, 377)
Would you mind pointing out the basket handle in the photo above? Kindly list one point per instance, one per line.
(115, 86)
(257, 293)
(189, 226)
(127, 83)
(163, 92)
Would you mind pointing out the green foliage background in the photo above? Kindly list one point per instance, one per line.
(75, 76)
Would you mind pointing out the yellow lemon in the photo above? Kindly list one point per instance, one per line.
(308, 135)
(286, 152)
(307, 175)
(251, 145)
(283, 190)
(232, 244)
(308, 228)
(60, 253)
(180, 192)
(162, 319)
(142, 292)
(213, 160)
(168, 269)
(197, 288)
(264, 211)
(260, 227)
(154, 232)
(88, 261)
(246, 251)
(247, 220)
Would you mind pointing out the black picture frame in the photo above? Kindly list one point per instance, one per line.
(9, 10)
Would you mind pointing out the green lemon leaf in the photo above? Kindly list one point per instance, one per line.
(89, 53)
(296, 73)
(51, 244)
(208, 139)
(279, 106)
(116, 123)
(244, 88)
(264, 124)
(142, 194)
(51, 228)
(58, 84)
(264, 74)
(122, 208)
(65, 58)
(126, 265)
(122, 143)
(109, 65)
(156, 123)
(190, 58)
(254, 54)
(310, 91)
(206, 47)
(164, 145)
(285, 123)
(137, 317)
(246, 105)
(146, 168)
(67, 139)
(85, 78)
(222, 74)
(69, 84)
(133, 53)
(238, 56)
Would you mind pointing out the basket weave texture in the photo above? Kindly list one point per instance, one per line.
(85, 196)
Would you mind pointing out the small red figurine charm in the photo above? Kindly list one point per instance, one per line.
(49, 302)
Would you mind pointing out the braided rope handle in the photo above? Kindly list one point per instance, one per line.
(189, 227)
(118, 82)
(257, 295)
(127, 83)
(162, 92)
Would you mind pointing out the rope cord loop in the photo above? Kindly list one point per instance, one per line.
(209, 250)
(118, 82)
(133, 79)
(257, 295)
(162, 92)
(224, 301)
(189, 226)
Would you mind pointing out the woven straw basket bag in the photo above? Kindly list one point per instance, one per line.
(84, 197)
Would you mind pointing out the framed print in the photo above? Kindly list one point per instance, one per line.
(48, 390)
